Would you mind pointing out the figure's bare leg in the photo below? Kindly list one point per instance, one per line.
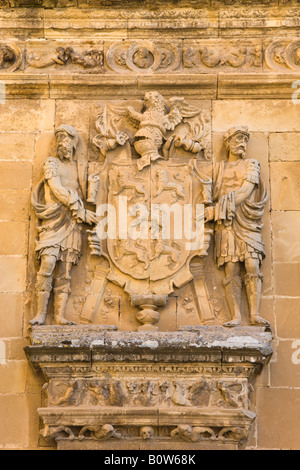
(61, 292)
(43, 288)
(233, 291)
(253, 281)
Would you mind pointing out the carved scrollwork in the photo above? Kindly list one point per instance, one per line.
(198, 433)
(62, 56)
(10, 57)
(283, 54)
(234, 56)
(143, 57)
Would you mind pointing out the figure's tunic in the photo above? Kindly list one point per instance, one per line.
(58, 205)
(238, 228)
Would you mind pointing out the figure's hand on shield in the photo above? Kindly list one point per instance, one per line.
(90, 217)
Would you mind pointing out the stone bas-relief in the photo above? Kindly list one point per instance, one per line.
(138, 379)
(58, 204)
(149, 155)
(240, 198)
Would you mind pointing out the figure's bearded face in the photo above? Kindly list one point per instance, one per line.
(65, 146)
(238, 144)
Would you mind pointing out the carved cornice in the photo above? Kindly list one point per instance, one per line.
(200, 86)
(217, 20)
(120, 4)
(98, 344)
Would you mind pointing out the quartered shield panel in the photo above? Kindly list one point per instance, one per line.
(156, 245)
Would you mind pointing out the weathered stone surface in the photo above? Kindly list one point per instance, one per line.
(284, 147)
(285, 185)
(286, 241)
(70, 62)
(280, 412)
(98, 337)
(260, 115)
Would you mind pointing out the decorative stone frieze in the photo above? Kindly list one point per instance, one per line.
(107, 389)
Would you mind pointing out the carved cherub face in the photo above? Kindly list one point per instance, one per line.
(237, 144)
(142, 58)
(185, 430)
(147, 432)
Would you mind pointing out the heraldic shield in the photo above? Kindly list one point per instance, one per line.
(156, 229)
(155, 247)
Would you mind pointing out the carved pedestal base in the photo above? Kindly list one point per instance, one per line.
(112, 390)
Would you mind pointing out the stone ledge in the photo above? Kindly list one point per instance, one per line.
(197, 86)
(98, 344)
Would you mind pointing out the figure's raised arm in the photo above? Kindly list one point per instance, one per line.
(242, 193)
(134, 116)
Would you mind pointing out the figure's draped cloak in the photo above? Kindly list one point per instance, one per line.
(238, 228)
(59, 234)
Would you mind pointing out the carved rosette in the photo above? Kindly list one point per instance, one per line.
(143, 57)
(112, 390)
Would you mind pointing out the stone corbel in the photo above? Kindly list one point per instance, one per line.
(109, 389)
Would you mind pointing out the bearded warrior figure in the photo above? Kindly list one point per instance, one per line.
(239, 199)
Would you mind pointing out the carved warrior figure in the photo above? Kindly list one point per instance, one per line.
(240, 197)
(58, 204)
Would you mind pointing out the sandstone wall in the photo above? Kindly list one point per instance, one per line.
(258, 93)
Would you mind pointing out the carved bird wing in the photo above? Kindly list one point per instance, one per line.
(180, 109)
(131, 113)
(114, 117)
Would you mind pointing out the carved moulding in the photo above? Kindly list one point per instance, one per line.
(189, 389)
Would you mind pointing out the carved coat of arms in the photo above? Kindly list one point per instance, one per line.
(151, 196)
